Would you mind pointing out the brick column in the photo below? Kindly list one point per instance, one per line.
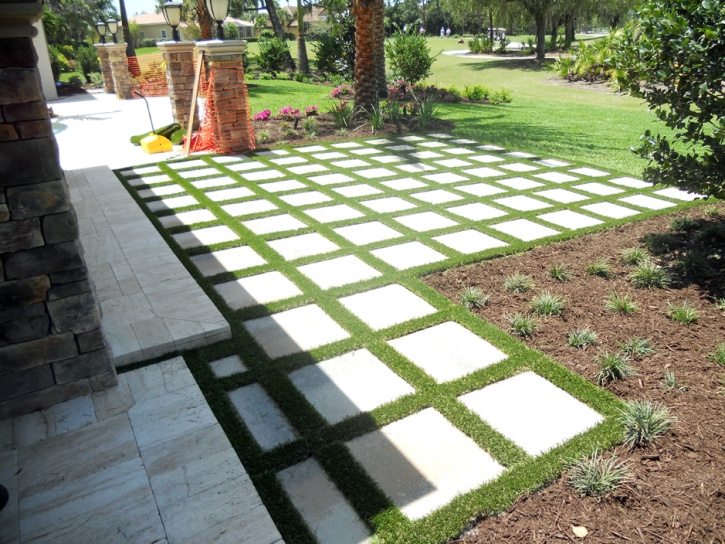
(51, 345)
(227, 95)
(179, 57)
(105, 67)
(122, 78)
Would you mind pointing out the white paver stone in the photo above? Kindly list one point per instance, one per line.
(308, 169)
(678, 194)
(227, 260)
(331, 179)
(295, 330)
(375, 173)
(562, 196)
(254, 290)
(425, 221)
(598, 189)
(648, 202)
(164, 190)
(272, 153)
(484, 172)
(403, 184)
(262, 416)
(186, 218)
(556, 177)
(171, 203)
(352, 163)
(532, 412)
(282, 186)
(387, 159)
(437, 196)
(591, 172)
(607, 209)
(248, 208)
(426, 154)
(229, 158)
(630, 182)
(521, 155)
(244, 166)
(422, 462)
(276, 223)
(350, 384)
(408, 255)
(288, 160)
(477, 211)
(339, 271)
(305, 199)
(329, 156)
(141, 171)
(485, 158)
(199, 173)
(553, 163)
(569, 219)
(387, 306)
(262, 175)
(386, 205)
(444, 178)
(367, 233)
(415, 167)
(330, 214)
(411, 139)
(310, 149)
(454, 163)
(347, 145)
(520, 184)
(305, 245)
(491, 148)
(229, 194)
(352, 191)
(522, 203)
(458, 151)
(519, 167)
(440, 135)
(469, 241)
(463, 141)
(379, 141)
(205, 237)
(525, 230)
(227, 366)
(365, 151)
(328, 515)
(447, 351)
(481, 189)
(433, 144)
(215, 182)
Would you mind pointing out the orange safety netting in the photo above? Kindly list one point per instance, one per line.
(133, 66)
(204, 138)
(151, 79)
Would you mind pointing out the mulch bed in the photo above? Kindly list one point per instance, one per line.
(678, 490)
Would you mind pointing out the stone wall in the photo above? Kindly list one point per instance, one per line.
(51, 344)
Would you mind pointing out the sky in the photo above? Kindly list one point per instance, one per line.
(134, 7)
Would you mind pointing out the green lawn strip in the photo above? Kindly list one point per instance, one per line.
(324, 441)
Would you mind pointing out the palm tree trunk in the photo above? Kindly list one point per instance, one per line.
(205, 22)
(130, 49)
(279, 31)
(541, 37)
(379, 21)
(366, 89)
(303, 65)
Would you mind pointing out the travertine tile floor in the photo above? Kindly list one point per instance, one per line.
(143, 462)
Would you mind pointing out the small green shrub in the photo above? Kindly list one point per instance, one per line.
(473, 297)
(711, 233)
(659, 244)
(600, 267)
(559, 272)
(644, 422)
(518, 283)
(548, 304)
(263, 136)
(392, 111)
(648, 275)
(265, 76)
(503, 96)
(683, 223)
(475, 92)
(341, 132)
(670, 381)
(427, 110)
(684, 313)
(637, 347)
(408, 56)
(479, 45)
(342, 113)
(621, 304)
(272, 54)
(710, 211)
(719, 354)
(596, 476)
(309, 125)
(376, 118)
(633, 256)
(96, 79)
(612, 367)
(76, 82)
(695, 264)
(522, 325)
(581, 338)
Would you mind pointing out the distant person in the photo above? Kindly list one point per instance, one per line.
(443, 32)
(422, 31)
(448, 32)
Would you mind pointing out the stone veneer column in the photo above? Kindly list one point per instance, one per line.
(105, 67)
(122, 78)
(51, 345)
(179, 57)
(233, 132)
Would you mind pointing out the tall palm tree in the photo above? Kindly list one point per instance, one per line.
(379, 22)
(303, 64)
(366, 54)
(130, 49)
(203, 17)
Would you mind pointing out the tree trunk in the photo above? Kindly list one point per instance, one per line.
(278, 31)
(490, 24)
(130, 49)
(379, 22)
(568, 30)
(366, 95)
(303, 65)
(541, 37)
(206, 25)
(554, 32)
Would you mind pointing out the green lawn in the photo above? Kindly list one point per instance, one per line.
(65, 76)
(140, 51)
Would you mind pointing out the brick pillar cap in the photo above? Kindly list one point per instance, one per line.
(116, 47)
(176, 47)
(219, 47)
(17, 18)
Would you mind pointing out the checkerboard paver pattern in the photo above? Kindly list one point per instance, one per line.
(319, 269)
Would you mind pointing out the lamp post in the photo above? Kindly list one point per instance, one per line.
(101, 29)
(113, 28)
(172, 14)
(218, 9)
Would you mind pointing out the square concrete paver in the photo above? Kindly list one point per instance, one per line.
(562, 196)
(216, 182)
(447, 351)
(598, 189)
(414, 167)
(288, 160)
(307, 169)
(401, 147)
(433, 144)
(248, 208)
(276, 223)
(677, 194)
(282, 186)
(521, 155)
(532, 412)
(409, 255)
(339, 271)
(305, 199)
(477, 211)
(525, 230)
(411, 139)
(469, 241)
(304, 245)
(458, 151)
(387, 306)
(454, 163)
(591, 172)
(295, 330)
(556, 177)
(205, 237)
(229, 194)
(426, 155)
(164, 190)
(328, 515)
(367, 233)
(272, 153)
(438, 196)
(446, 177)
(520, 184)
(227, 366)
(244, 166)
(648, 202)
(387, 159)
(262, 416)
(330, 214)
(607, 209)
(171, 203)
(348, 385)
(262, 175)
(403, 184)
(422, 462)
(331, 179)
(484, 172)
(186, 218)
(365, 151)
(390, 204)
(569, 219)
(259, 289)
(630, 182)
(485, 158)
(347, 145)
(519, 167)
(310, 149)
(374, 173)
(227, 260)
(352, 163)
(491, 148)
(425, 221)
(553, 163)
(481, 189)
(182, 165)
(150, 180)
(379, 141)
(329, 156)
(352, 191)
(522, 203)
(199, 173)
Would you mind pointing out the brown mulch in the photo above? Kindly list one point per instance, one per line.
(678, 491)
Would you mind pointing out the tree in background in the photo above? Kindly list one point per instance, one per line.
(539, 9)
(303, 64)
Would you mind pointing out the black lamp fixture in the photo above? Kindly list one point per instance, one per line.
(218, 9)
(112, 25)
(172, 14)
(101, 29)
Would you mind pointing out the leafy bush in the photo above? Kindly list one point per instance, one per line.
(596, 476)
(502, 45)
(231, 31)
(633, 256)
(376, 118)
(501, 97)
(621, 304)
(479, 45)
(612, 367)
(88, 61)
(648, 275)
(518, 282)
(335, 49)
(473, 297)
(409, 56)
(644, 422)
(696, 264)
(76, 82)
(581, 338)
(522, 325)
(311, 111)
(719, 354)
(637, 347)
(271, 55)
(559, 272)
(427, 109)
(96, 79)
(148, 42)
(683, 223)
(600, 267)
(342, 113)
(475, 92)
(309, 125)
(684, 313)
(548, 304)
(263, 115)
(264, 76)
(659, 244)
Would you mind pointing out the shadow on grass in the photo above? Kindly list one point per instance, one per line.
(526, 65)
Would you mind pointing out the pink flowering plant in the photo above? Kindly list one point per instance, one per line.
(288, 113)
(342, 91)
(263, 115)
(311, 110)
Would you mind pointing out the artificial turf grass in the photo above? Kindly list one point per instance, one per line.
(326, 442)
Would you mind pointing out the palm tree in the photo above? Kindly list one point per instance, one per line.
(379, 22)
(366, 55)
(303, 65)
(130, 49)
(278, 31)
